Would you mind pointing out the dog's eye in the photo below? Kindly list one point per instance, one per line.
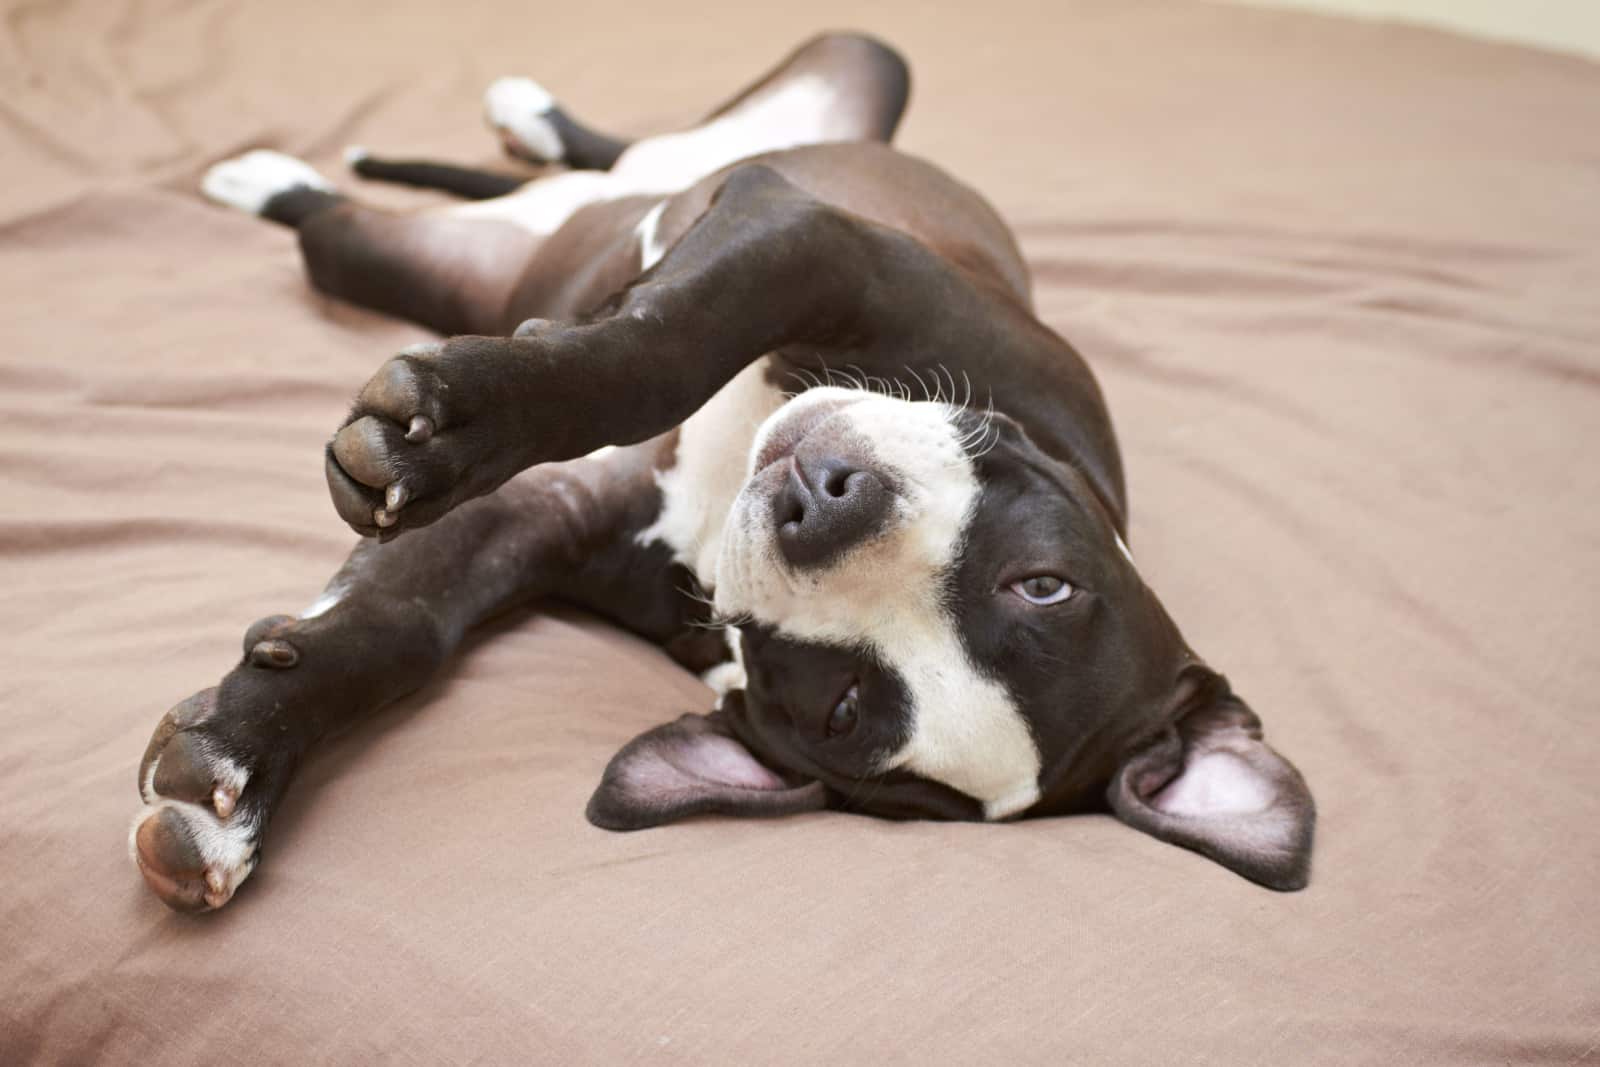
(1042, 589)
(843, 718)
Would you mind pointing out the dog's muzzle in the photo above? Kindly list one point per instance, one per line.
(829, 503)
(852, 501)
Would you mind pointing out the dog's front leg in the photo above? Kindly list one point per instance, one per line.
(766, 268)
(219, 763)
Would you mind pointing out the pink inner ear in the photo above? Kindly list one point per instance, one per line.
(706, 758)
(692, 767)
(1215, 783)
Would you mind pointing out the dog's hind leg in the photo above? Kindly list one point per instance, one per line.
(869, 83)
(835, 87)
(447, 273)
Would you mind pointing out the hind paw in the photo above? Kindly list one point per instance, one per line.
(521, 111)
(249, 182)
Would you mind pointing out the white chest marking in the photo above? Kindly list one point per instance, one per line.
(710, 469)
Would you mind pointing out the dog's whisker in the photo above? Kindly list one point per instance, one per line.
(925, 395)
(869, 383)
(800, 375)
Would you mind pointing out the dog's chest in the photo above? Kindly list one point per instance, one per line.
(709, 469)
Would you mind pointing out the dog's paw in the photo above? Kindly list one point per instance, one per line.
(194, 841)
(387, 454)
(215, 766)
(249, 182)
(521, 111)
(436, 426)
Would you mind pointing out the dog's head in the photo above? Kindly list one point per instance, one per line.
(937, 619)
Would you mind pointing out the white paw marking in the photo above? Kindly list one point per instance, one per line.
(230, 779)
(228, 847)
(247, 182)
(517, 106)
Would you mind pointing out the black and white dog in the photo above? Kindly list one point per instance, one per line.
(785, 408)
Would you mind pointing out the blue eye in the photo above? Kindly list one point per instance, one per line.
(1042, 589)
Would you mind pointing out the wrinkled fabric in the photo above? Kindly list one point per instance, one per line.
(1341, 283)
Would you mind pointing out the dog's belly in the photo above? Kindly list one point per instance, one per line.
(710, 467)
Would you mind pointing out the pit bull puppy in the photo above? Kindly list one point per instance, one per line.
(773, 395)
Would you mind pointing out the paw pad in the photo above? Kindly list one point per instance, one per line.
(266, 644)
(274, 654)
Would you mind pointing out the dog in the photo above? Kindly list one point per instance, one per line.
(773, 395)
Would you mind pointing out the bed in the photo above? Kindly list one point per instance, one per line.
(1341, 283)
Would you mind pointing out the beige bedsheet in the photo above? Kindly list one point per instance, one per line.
(1341, 282)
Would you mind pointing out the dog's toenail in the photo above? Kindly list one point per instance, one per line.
(274, 653)
(223, 800)
(216, 889)
(420, 430)
(395, 497)
(382, 518)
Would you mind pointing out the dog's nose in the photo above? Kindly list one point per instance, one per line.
(827, 505)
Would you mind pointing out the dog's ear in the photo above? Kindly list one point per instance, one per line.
(1210, 783)
(694, 766)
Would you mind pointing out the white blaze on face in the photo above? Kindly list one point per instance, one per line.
(888, 594)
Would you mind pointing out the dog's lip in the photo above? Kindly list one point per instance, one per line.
(793, 427)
